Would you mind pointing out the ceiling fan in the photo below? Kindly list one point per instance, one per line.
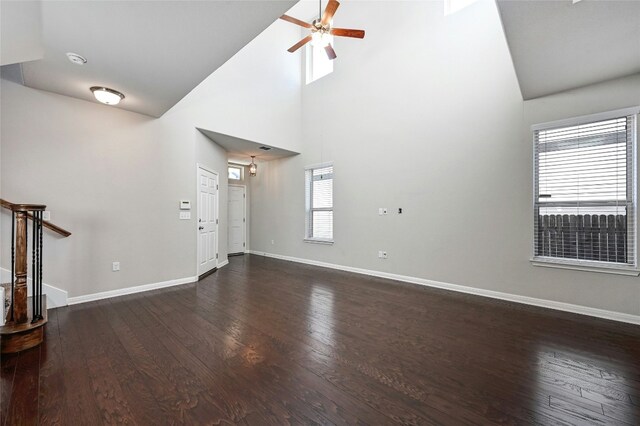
(321, 29)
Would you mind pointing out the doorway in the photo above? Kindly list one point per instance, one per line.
(207, 220)
(237, 219)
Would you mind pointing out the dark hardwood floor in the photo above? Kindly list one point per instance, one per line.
(264, 341)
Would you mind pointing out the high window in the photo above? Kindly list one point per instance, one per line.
(235, 172)
(318, 63)
(585, 192)
(319, 203)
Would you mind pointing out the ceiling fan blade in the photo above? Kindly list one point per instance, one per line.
(329, 11)
(330, 52)
(299, 44)
(346, 32)
(295, 21)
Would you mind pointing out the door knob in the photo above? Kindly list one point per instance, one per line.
(201, 227)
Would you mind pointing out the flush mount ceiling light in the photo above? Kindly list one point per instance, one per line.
(76, 59)
(106, 95)
(253, 167)
(321, 30)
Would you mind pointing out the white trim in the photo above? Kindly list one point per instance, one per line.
(550, 304)
(601, 267)
(318, 241)
(582, 119)
(56, 297)
(235, 166)
(136, 289)
(130, 290)
(319, 165)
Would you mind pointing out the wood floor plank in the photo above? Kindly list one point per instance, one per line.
(264, 341)
(582, 414)
(52, 389)
(80, 399)
(7, 375)
(626, 413)
(452, 393)
(186, 393)
(305, 388)
(417, 393)
(23, 405)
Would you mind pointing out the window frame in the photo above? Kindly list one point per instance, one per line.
(235, 166)
(310, 63)
(308, 196)
(583, 264)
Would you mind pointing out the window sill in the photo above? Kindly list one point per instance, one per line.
(600, 267)
(318, 241)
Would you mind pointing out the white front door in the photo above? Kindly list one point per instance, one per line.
(207, 220)
(236, 219)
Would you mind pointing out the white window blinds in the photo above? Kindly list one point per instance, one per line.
(319, 203)
(584, 191)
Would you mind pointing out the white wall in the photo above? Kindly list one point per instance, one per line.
(21, 23)
(430, 119)
(114, 178)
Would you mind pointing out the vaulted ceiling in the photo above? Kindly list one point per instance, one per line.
(155, 52)
(560, 45)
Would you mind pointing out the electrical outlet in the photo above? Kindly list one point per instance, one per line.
(46, 215)
(115, 266)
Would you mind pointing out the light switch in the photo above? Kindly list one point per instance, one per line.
(46, 215)
(185, 215)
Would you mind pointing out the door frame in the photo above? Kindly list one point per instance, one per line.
(197, 203)
(244, 216)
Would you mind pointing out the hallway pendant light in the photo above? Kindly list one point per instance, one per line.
(106, 95)
(253, 167)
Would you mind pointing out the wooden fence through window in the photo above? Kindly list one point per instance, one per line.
(589, 237)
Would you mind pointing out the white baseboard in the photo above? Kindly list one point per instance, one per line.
(130, 290)
(56, 297)
(560, 306)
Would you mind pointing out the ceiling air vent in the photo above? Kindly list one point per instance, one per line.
(265, 148)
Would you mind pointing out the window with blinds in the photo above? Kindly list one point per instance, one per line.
(584, 195)
(319, 203)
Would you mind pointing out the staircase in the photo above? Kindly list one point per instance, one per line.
(25, 317)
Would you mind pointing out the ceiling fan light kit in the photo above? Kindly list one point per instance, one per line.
(321, 31)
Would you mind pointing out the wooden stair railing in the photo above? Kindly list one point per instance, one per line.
(55, 228)
(24, 326)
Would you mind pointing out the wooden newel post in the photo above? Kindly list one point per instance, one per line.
(27, 316)
(20, 292)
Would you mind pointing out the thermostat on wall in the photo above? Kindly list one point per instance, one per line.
(185, 205)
